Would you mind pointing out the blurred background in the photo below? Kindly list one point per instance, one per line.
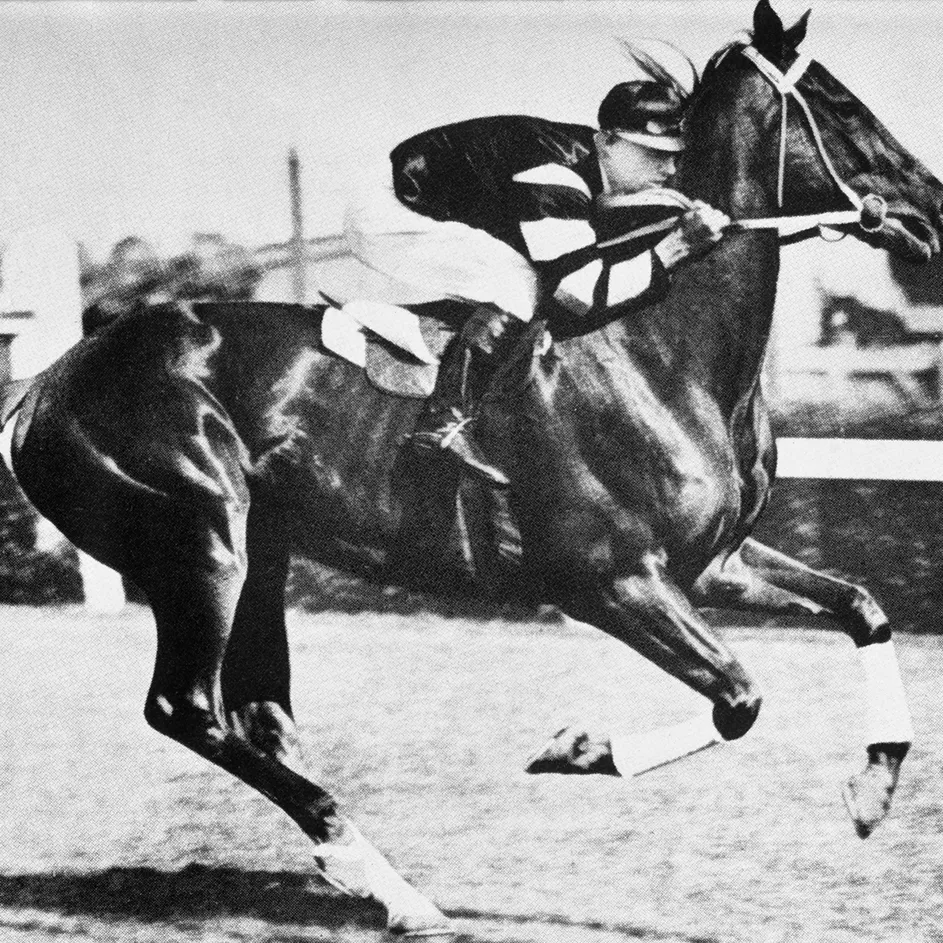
(207, 151)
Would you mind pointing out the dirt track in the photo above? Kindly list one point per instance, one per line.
(109, 833)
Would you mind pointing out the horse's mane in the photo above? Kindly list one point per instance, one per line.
(657, 72)
(715, 60)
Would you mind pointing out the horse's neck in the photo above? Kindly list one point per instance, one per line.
(724, 302)
(713, 327)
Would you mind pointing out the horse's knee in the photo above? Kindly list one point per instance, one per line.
(735, 717)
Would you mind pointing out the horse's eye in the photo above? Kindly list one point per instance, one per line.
(845, 108)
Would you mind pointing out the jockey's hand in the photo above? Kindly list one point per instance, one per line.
(699, 229)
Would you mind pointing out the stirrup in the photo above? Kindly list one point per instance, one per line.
(451, 430)
(451, 441)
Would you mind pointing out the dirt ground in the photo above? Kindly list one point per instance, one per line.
(422, 725)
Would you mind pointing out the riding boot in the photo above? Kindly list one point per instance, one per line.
(445, 426)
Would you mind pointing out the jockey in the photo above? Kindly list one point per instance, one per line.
(504, 212)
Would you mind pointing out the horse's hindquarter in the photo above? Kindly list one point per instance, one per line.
(321, 439)
(180, 420)
(125, 439)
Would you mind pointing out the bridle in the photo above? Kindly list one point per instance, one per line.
(789, 227)
(785, 84)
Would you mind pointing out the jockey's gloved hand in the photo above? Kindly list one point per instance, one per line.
(700, 228)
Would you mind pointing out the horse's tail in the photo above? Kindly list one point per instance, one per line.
(12, 395)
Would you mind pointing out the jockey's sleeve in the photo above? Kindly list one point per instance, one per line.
(554, 204)
(568, 321)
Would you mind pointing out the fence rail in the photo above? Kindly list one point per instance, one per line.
(860, 459)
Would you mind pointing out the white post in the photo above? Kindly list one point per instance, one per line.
(299, 265)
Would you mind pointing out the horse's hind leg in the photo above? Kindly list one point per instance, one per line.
(256, 679)
(759, 578)
(195, 609)
(650, 614)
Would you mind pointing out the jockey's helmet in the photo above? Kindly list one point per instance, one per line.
(648, 113)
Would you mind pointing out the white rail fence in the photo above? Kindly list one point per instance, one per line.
(861, 459)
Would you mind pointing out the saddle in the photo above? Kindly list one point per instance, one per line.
(399, 349)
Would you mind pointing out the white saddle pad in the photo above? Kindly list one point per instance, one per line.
(343, 330)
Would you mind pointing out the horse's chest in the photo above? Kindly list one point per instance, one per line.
(680, 487)
(696, 495)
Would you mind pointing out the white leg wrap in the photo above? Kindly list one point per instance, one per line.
(639, 754)
(888, 715)
(359, 869)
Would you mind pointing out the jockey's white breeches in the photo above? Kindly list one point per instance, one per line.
(447, 259)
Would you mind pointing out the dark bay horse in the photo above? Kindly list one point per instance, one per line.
(194, 448)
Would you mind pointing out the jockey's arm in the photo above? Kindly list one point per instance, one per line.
(587, 280)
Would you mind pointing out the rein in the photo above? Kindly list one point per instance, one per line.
(874, 204)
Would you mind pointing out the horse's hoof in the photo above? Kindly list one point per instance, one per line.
(572, 750)
(868, 798)
(422, 919)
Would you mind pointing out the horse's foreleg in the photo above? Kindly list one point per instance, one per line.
(651, 615)
(194, 613)
(760, 578)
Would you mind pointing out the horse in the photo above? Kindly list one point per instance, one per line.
(194, 447)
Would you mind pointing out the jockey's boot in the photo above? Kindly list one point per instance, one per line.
(445, 426)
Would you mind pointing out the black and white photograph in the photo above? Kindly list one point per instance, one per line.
(472, 471)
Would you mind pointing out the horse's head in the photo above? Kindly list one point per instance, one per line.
(836, 155)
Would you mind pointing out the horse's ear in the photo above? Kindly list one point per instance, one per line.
(768, 33)
(796, 33)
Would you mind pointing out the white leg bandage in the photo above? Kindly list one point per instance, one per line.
(888, 714)
(357, 868)
(639, 754)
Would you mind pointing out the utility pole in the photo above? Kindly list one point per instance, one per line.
(298, 255)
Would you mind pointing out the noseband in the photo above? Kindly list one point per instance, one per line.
(873, 204)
